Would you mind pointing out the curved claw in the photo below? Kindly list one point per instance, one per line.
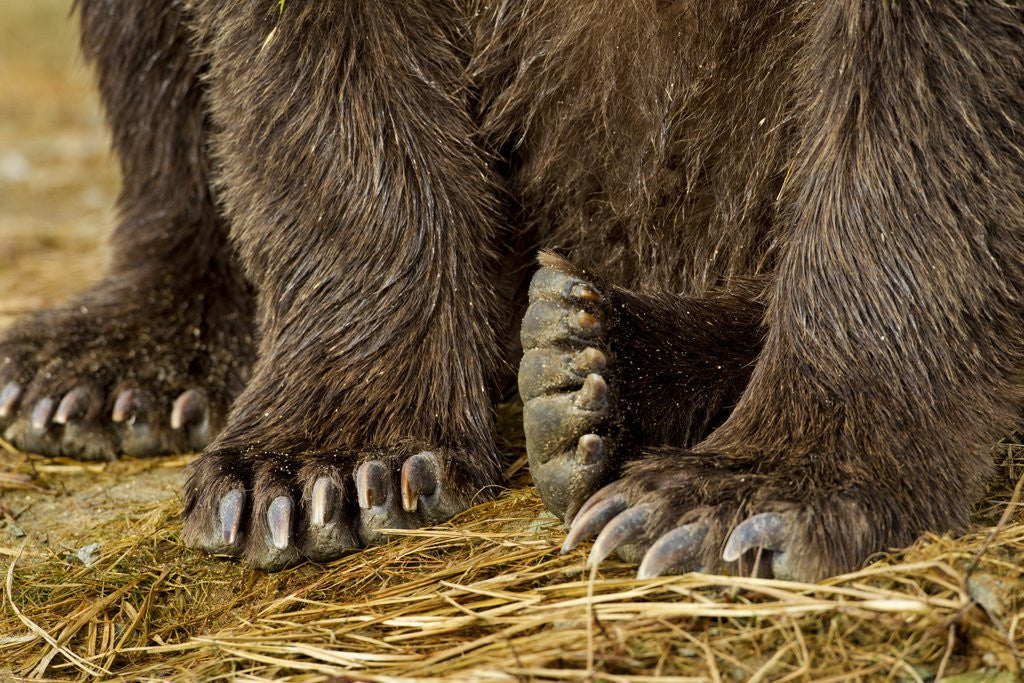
(678, 548)
(279, 520)
(230, 510)
(594, 499)
(591, 520)
(73, 406)
(765, 530)
(189, 408)
(9, 398)
(129, 402)
(321, 498)
(625, 527)
(419, 478)
(41, 414)
(371, 484)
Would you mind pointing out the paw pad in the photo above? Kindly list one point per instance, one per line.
(568, 404)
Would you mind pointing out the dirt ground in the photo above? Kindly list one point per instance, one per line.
(486, 597)
(57, 178)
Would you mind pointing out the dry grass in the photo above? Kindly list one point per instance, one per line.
(488, 597)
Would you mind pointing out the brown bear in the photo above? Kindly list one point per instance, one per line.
(782, 334)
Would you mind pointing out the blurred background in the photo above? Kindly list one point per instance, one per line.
(58, 178)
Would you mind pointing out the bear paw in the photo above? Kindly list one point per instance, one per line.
(673, 515)
(569, 408)
(274, 510)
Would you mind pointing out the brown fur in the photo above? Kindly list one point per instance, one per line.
(891, 362)
(387, 171)
(175, 312)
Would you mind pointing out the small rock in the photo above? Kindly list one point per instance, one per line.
(990, 592)
(88, 554)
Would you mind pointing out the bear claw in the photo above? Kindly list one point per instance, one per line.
(567, 399)
(621, 530)
(590, 450)
(554, 283)
(419, 478)
(320, 500)
(275, 509)
(371, 485)
(677, 550)
(671, 515)
(766, 530)
(279, 521)
(593, 395)
(590, 521)
(546, 370)
(546, 324)
(129, 402)
(230, 513)
(41, 414)
(70, 424)
(190, 408)
(331, 528)
(9, 399)
(74, 405)
(191, 411)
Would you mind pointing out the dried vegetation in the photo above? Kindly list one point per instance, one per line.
(488, 597)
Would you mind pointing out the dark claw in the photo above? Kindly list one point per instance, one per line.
(9, 398)
(589, 325)
(596, 498)
(279, 519)
(129, 402)
(329, 533)
(131, 410)
(585, 292)
(419, 478)
(41, 414)
(371, 484)
(766, 530)
(73, 406)
(593, 395)
(678, 550)
(624, 528)
(549, 370)
(320, 501)
(591, 520)
(191, 408)
(191, 411)
(547, 282)
(231, 515)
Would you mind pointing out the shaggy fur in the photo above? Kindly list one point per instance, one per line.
(890, 363)
(174, 313)
(809, 210)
